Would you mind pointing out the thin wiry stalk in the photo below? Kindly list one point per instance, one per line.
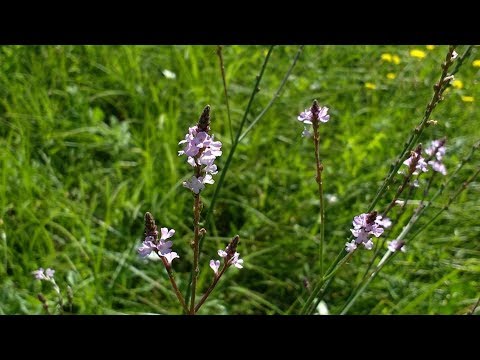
(439, 88)
(255, 90)
(475, 307)
(222, 71)
(275, 96)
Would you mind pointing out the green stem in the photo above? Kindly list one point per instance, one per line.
(331, 271)
(439, 88)
(318, 178)
(211, 287)
(445, 207)
(461, 59)
(222, 70)
(195, 245)
(386, 258)
(180, 298)
(219, 186)
(255, 90)
(275, 97)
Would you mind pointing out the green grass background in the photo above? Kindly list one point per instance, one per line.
(88, 144)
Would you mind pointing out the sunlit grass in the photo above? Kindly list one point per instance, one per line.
(88, 139)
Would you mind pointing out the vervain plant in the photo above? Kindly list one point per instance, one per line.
(407, 185)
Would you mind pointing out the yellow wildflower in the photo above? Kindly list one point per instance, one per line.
(430, 47)
(391, 76)
(418, 53)
(386, 57)
(396, 59)
(457, 84)
(476, 63)
(467, 98)
(370, 86)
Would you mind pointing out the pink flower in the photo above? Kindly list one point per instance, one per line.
(201, 150)
(147, 247)
(166, 233)
(236, 261)
(215, 264)
(396, 245)
(365, 225)
(170, 256)
(350, 246)
(42, 274)
(39, 274)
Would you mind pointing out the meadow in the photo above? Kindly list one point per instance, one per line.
(89, 140)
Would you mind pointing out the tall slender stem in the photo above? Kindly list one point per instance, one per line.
(372, 276)
(211, 287)
(275, 96)
(319, 167)
(174, 284)
(439, 88)
(195, 246)
(222, 71)
(223, 173)
(449, 202)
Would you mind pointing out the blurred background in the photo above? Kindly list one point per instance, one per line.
(89, 139)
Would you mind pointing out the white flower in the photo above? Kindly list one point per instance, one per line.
(350, 246)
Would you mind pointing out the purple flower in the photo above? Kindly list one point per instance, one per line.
(211, 169)
(232, 259)
(308, 116)
(368, 245)
(147, 247)
(164, 247)
(417, 162)
(437, 150)
(350, 246)
(360, 234)
(383, 222)
(365, 225)
(160, 246)
(313, 116)
(438, 167)
(396, 245)
(215, 264)
(170, 256)
(222, 253)
(38, 274)
(194, 184)
(201, 150)
(166, 233)
(207, 179)
(194, 140)
(236, 261)
(306, 133)
(49, 273)
(42, 274)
